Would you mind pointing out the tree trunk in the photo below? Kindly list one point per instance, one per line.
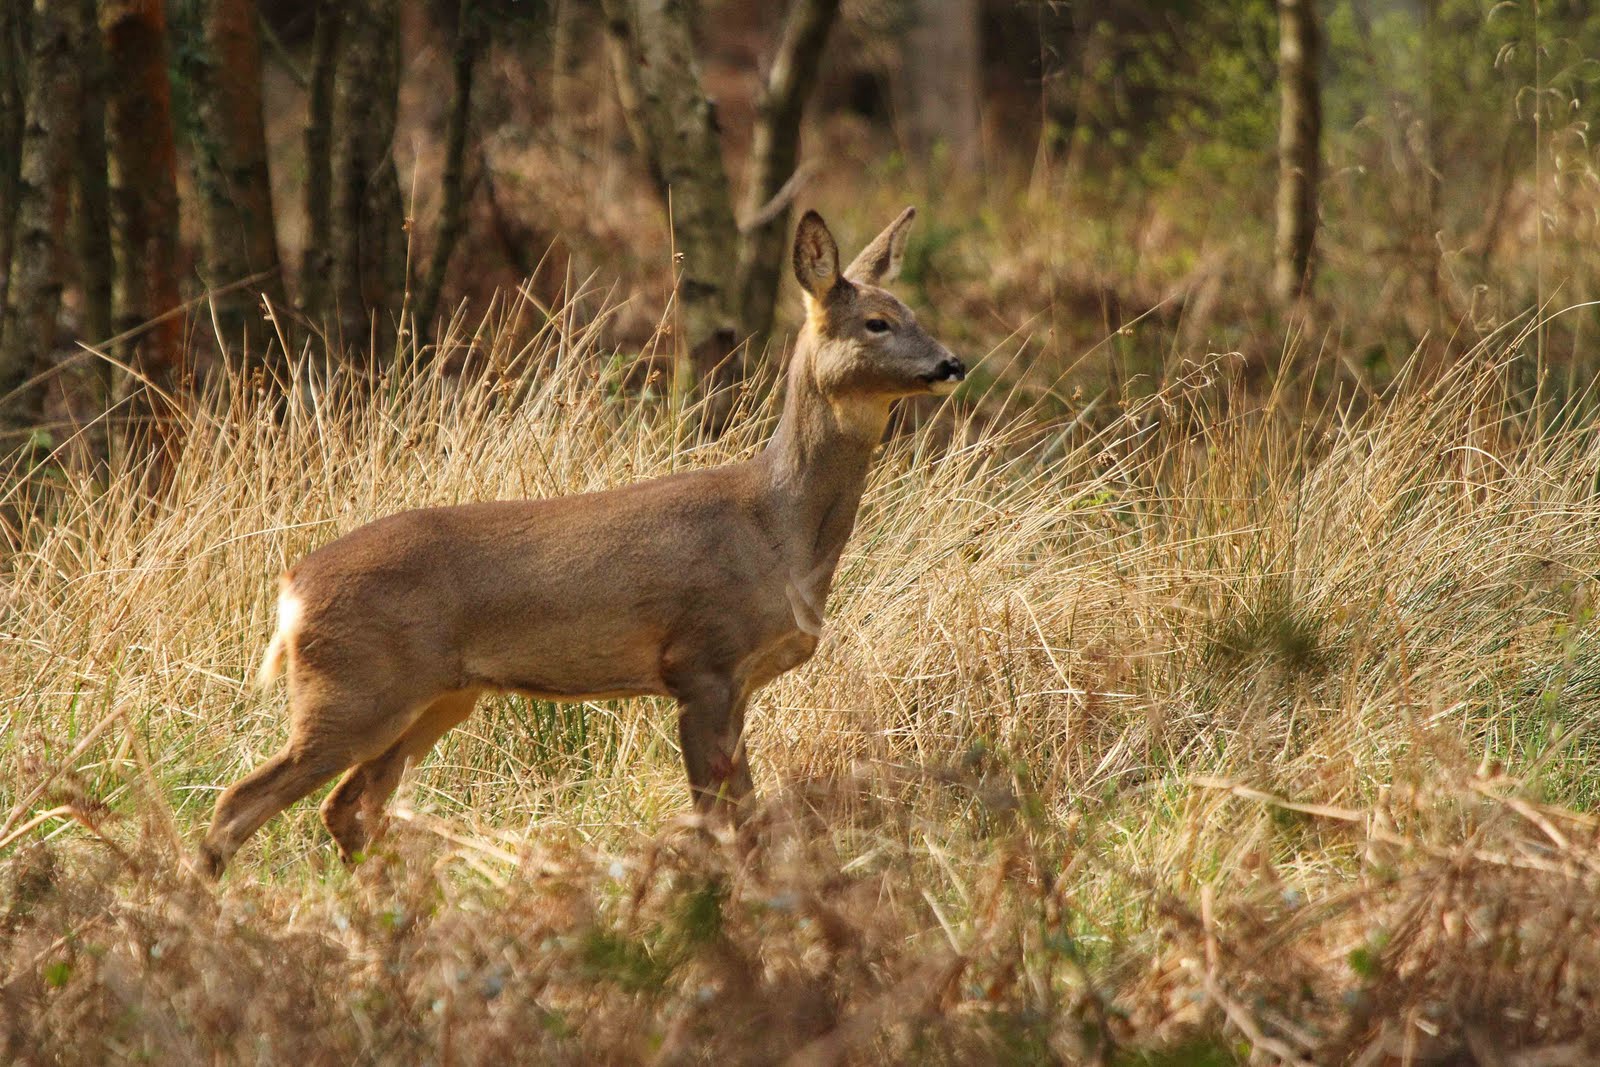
(452, 209)
(230, 163)
(13, 102)
(368, 238)
(1299, 149)
(565, 55)
(316, 259)
(1433, 121)
(95, 261)
(144, 193)
(940, 82)
(658, 83)
(43, 186)
(774, 156)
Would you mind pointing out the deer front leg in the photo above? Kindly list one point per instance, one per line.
(738, 784)
(710, 731)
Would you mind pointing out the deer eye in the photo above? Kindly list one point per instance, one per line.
(877, 326)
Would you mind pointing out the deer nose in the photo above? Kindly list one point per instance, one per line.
(950, 369)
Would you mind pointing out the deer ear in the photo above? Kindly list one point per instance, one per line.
(816, 257)
(880, 261)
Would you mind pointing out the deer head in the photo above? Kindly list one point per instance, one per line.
(865, 344)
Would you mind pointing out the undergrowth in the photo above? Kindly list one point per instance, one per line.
(1216, 729)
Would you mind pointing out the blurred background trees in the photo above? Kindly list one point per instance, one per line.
(142, 165)
(1106, 188)
(39, 186)
(228, 146)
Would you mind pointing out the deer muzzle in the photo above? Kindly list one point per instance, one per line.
(946, 376)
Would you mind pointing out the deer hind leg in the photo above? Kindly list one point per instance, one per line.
(295, 771)
(353, 812)
(325, 738)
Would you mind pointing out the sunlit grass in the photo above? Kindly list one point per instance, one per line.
(1095, 698)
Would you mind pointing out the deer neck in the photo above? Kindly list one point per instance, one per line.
(816, 468)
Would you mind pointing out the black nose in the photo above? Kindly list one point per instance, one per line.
(950, 370)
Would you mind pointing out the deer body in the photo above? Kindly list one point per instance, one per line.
(702, 586)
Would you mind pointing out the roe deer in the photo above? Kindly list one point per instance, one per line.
(703, 586)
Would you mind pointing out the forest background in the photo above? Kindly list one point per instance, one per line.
(1105, 188)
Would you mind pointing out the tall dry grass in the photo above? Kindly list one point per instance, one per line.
(1213, 729)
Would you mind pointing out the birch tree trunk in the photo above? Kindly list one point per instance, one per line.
(96, 270)
(368, 238)
(144, 192)
(230, 163)
(1299, 149)
(775, 157)
(39, 260)
(658, 82)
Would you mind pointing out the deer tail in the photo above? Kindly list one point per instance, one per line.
(278, 647)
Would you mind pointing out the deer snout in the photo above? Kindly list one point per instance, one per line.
(946, 374)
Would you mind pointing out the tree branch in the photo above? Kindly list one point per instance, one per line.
(774, 152)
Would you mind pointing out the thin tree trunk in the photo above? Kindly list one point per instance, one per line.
(452, 210)
(368, 226)
(941, 80)
(95, 262)
(673, 121)
(774, 156)
(43, 186)
(1299, 149)
(230, 162)
(144, 192)
(13, 100)
(1428, 251)
(316, 259)
(564, 57)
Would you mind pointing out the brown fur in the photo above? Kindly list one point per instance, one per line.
(702, 586)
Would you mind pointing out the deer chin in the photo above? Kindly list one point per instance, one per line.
(943, 387)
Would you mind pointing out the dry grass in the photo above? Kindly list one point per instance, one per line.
(1207, 730)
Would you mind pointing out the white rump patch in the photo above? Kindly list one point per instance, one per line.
(289, 609)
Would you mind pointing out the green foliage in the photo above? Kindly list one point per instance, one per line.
(926, 243)
(629, 963)
(699, 913)
(648, 962)
(1366, 958)
(1205, 1051)
(57, 973)
(1276, 625)
(559, 738)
